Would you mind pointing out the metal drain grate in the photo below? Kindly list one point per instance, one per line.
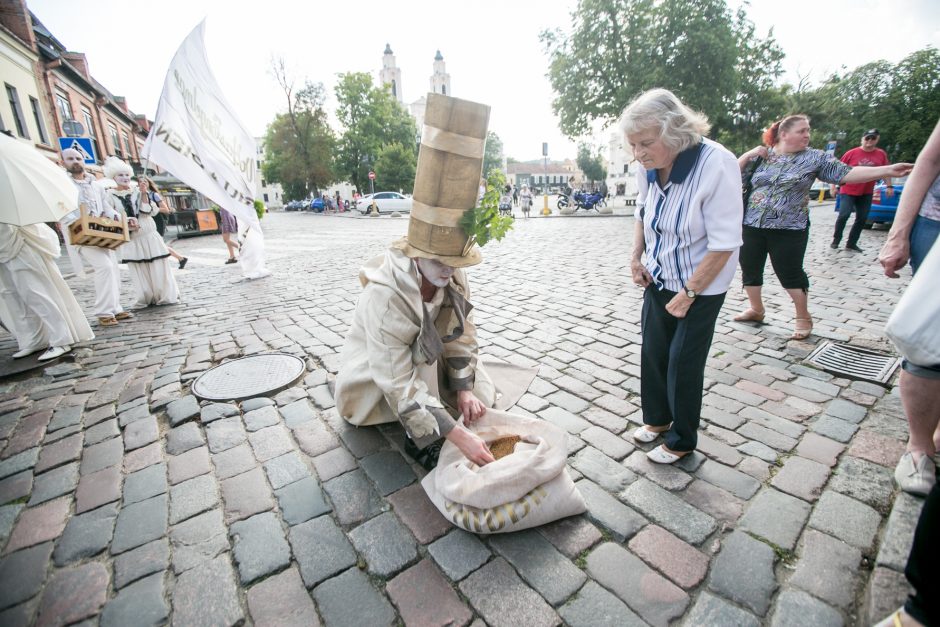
(247, 377)
(854, 363)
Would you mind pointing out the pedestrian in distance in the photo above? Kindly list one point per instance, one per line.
(525, 197)
(230, 235)
(104, 262)
(148, 189)
(685, 248)
(856, 197)
(776, 218)
(914, 232)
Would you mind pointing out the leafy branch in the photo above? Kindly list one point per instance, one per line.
(484, 222)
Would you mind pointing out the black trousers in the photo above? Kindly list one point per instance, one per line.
(672, 364)
(921, 571)
(786, 248)
(860, 206)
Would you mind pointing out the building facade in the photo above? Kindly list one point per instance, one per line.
(390, 77)
(61, 98)
(538, 175)
(271, 193)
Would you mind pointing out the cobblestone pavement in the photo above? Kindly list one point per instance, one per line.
(123, 501)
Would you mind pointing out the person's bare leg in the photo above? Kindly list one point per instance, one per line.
(174, 254)
(921, 399)
(804, 322)
(755, 310)
(232, 246)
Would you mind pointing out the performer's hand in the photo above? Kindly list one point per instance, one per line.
(471, 445)
(469, 405)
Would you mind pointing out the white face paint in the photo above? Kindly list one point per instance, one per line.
(434, 271)
(123, 179)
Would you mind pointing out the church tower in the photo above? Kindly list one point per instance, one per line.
(391, 73)
(440, 80)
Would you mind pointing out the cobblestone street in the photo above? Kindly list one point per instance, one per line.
(124, 501)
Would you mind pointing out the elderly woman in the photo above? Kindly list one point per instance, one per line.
(776, 219)
(689, 227)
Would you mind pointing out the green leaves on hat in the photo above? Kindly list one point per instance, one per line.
(484, 222)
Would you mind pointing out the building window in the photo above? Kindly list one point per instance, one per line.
(394, 89)
(127, 144)
(444, 89)
(65, 108)
(265, 198)
(264, 183)
(40, 125)
(258, 164)
(112, 130)
(18, 118)
(91, 132)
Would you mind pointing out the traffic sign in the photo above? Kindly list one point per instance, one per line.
(73, 128)
(371, 176)
(81, 144)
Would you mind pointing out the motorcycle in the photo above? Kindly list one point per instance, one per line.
(582, 200)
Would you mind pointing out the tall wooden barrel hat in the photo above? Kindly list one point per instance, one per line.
(447, 181)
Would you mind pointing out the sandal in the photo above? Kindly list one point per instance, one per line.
(107, 321)
(661, 455)
(750, 315)
(894, 620)
(645, 434)
(804, 330)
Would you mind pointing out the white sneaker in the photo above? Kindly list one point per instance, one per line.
(53, 352)
(915, 478)
(26, 351)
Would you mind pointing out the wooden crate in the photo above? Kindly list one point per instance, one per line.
(101, 232)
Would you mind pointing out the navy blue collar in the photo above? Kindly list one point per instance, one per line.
(682, 166)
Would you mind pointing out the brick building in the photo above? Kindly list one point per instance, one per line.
(63, 89)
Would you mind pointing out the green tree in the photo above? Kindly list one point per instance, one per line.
(711, 58)
(299, 143)
(493, 153)
(395, 168)
(591, 163)
(371, 119)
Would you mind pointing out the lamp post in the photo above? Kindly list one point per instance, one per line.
(545, 210)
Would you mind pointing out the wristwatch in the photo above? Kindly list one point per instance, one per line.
(690, 293)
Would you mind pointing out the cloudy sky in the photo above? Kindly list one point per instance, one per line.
(490, 47)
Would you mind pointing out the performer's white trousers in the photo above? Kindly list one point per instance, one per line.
(107, 279)
(37, 318)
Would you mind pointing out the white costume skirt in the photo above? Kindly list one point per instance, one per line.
(148, 260)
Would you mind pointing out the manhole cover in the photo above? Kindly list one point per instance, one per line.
(854, 363)
(247, 377)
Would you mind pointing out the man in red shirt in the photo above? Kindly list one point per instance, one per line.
(856, 197)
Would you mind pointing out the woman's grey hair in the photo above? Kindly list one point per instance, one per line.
(679, 126)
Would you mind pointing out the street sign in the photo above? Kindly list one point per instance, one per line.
(371, 176)
(73, 128)
(81, 144)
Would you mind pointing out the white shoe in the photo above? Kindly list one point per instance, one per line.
(26, 351)
(644, 434)
(53, 352)
(915, 478)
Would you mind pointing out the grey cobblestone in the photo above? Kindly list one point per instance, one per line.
(540, 565)
(192, 497)
(603, 470)
(139, 523)
(183, 438)
(143, 484)
(734, 481)
(594, 607)
(285, 469)
(744, 572)
(140, 603)
(352, 589)
(197, 540)
(458, 554)
(502, 599)
(846, 519)
(321, 549)
(354, 498)
(86, 535)
(776, 516)
(385, 544)
(150, 558)
(618, 519)
(669, 511)
(207, 595)
(795, 608)
(260, 547)
(870, 483)
(301, 500)
(827, 568)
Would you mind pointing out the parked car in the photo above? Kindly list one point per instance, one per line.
(884, 207)
(317, 205)
(387, 202)
(294, 205)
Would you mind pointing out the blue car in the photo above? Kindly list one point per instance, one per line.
(883, 207)
(316, 205)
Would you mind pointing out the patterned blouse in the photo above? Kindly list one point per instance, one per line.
(780, 192)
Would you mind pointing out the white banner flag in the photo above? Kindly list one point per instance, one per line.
(197, 137)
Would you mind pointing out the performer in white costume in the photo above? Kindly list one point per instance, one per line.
(103, 262)
(39, 309)
(146, 255)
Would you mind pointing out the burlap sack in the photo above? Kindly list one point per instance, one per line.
(528, 488)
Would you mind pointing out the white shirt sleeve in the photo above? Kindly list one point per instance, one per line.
(722, 204)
